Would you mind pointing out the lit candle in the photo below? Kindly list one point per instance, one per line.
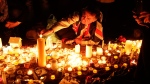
(69, 69)
(41, 52)
(49, 42)
(115, 66)
(79, 68)
(79, 73)
(125, 64)
(77, 48)
(29, 72)
(88, 53)
(115, 57)
(99, 51)
(48, 66)
(94, 71)
(94, 53)
(1, 44)
(52, 77)
(128, 46)
(107, 68)
(18, 81)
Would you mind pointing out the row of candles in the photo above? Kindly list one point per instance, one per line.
(71, 58)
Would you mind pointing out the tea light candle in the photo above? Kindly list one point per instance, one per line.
(79, 73)
(94, 53)
(125, 64)
(103, 58)
(99, 51)
(41, 52)
(88, 52)
(30, 72)
(94, 71)
(115, 66)
(84, 68)
(77, 48)
(107, 68)
(79, 68)
(59, 69)
(18, 81)
(69, 69)
(128, 46)
(115, 57)
(48, 66)
(52, 77)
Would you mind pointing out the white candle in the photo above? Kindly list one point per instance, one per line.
(30, 72)
(1, 44)
(41, 52)
(49, 43)
(94, 53)
(99, 51)
(77, 48)
(128, 46)
(88, 53)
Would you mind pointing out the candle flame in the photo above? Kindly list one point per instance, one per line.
(40, 35)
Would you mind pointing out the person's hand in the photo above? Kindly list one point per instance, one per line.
(45, 32)
(12, 24)
(143, 18)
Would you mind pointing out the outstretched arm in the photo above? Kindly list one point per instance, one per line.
(63, 23)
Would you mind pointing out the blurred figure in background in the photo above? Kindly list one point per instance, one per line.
(3, 14)
(20, 18)
(143, 19)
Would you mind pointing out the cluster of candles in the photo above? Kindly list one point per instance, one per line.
(67, 60)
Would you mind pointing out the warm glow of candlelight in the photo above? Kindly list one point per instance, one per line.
(40, 35)
(59, 69)
(77, 48)
(99, 51)
(125, 64)
(79, 73)
(69, 69)
(48, 66)
(94, 71)
(79, 68)
(107, 68)
(115, 65)
(103, 58)
(30, 72)
(108, 54)
(52, 77)
(94, 53)
(115, 57)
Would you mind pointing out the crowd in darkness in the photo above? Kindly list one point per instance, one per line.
(117, 18)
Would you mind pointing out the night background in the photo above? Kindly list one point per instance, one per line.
(117, 15)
